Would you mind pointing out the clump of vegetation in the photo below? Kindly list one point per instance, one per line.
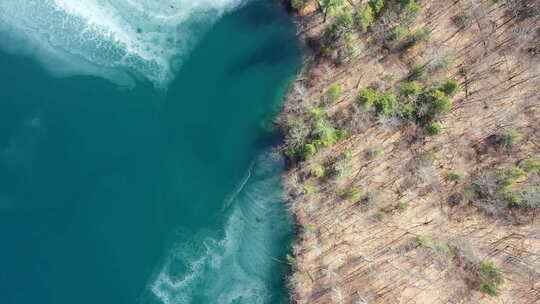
(365, 16)
(418, 72)
(490, 279)
(354, 195)
(424, 241)
(297, 4)
(351, 50)
(307, 151)
(420, 35)
(377, 5)
(531, 166)
(333, 93)
(318, 170)
(412, 8)
(455, 176)
(440, 247)
(398, 33)
(450, 87)
(433, 128)
(509, 139)
(310, 189)
(324, 133)
(366, 97)
(311, 134)
(343, 166)
(514, 200)
(379, 215)
(401, 207)
(388, 77)
(410, 90)
(329, 6)
(309, 228)
(510, 177)
(438, 102)
(384, 103)
(502, 185)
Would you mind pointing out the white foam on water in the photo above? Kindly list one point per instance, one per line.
(237, 267)
(108, 37)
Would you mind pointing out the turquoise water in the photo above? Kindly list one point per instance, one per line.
(166, 195)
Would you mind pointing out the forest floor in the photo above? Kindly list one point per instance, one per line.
(414, 153)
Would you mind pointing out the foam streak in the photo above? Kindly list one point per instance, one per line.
(237, 267)
(108, 37)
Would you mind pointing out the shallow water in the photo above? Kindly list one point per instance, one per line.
(164, 192)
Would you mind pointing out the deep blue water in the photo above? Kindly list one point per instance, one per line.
(149, 195)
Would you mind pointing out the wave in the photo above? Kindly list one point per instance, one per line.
(115, 39)
(240, 266)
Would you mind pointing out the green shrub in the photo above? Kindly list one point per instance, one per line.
(450, 87)
(531, 165)
(410, 90)
(350, 47)
(330, 35)
(490, 279)
(384, 104)
(510, 138)
(341, 133)
(418, 72)
(327, 50)
(330, 6)
(433, 128)
(513, 199)
(343, 166)
(310, 189)
(318, 113)
(377, 5)
(345, 19)
(455, 176)
(354, 195)
(334, 93)
(420, 35)
(365, 17)
(388, 77)
(439, 102)
(412, 8)
(307, 151)
(366, 97)
(408, 111)
(318, 170)
(324, 133)
(401, 207)
(398, 33)
(505, 179)
(309, 228)
(510, 177)
(297, 4)
(424, 241)
(379, 215)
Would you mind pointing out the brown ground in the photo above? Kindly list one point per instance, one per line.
(368, 251)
